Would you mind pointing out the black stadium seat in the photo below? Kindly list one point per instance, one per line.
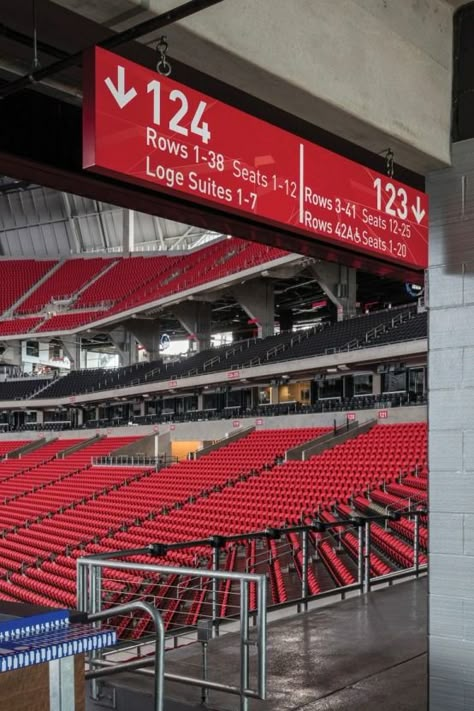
(374, 329)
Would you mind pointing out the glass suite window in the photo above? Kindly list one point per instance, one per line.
(363, 384)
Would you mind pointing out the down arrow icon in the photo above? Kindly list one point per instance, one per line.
(417, 211)
(121, 96)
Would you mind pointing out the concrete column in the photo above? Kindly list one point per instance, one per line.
(195, 317)
(200, 401)
(339, 283)
(124, 341)
(376, 384)
(72, 349)
(147, 333)
(258, 302)
(274, 397)
(11, 353)
(128, 231)
(451, 432)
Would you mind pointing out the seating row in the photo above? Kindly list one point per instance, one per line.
(98, 286)
(240, 488)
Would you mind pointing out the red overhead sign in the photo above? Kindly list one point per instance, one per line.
(148, 129)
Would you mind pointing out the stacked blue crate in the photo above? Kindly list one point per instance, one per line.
(34, 635)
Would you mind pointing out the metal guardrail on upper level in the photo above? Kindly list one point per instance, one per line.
(134, 460)
(402, 314)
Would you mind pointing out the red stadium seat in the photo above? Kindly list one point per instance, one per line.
(83, 509)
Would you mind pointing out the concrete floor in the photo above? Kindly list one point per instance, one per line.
(361, 654)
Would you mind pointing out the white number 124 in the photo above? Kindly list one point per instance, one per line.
(198, 127)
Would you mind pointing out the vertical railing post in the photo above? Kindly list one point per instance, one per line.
(304, 568)
(262, 635)
(204, 634)
(360, 556)
(244, 645)
(205, 673)
(83, 582)
(416, 545)
(216, 542)
(367, 557)
(95, 582)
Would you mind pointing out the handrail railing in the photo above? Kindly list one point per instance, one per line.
(134, 460)
(304, 451)
(151, 373)
(275, 349)
(210, 362)
(271, 532)
(159, 659)
(357, 521)
(90, 574)
(171, 586)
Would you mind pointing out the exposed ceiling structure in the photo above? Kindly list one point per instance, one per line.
(39, 222)
(80, 29)
(74, 224)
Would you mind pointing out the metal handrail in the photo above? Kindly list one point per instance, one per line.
(275, 349)
(89, 577)
(159, 658)
(267, 532)
(271, 532)
(134, 460)
(312, 530)
(210, 362)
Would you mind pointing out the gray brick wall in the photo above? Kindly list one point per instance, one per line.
(451, 433)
